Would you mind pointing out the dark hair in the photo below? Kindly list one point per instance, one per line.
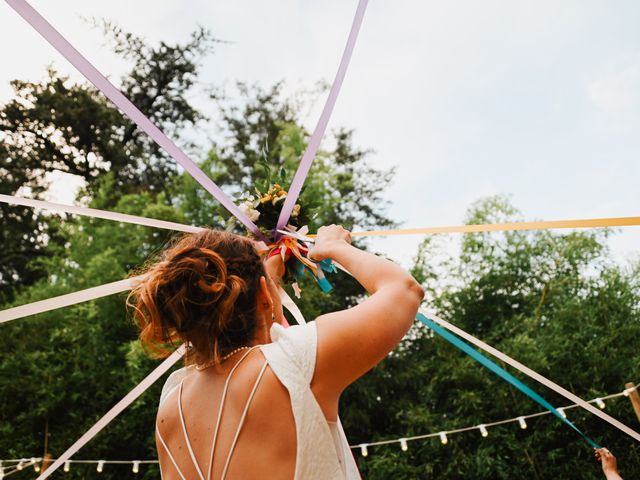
(203, 291)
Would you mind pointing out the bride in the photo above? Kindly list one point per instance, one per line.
(258, 400)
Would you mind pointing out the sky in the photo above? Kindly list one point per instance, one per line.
(536, 100)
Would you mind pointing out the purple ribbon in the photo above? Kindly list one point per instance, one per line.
(92, 74)
(316, 137)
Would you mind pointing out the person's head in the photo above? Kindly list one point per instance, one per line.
(209, 289)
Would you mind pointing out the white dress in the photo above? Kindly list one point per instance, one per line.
(323, 452)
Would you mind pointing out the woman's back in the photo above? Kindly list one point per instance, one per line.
(285, 433)
(268, 438)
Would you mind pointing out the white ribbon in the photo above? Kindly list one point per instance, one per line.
(92, 212)
(290, 305)
(532, 374)
(67, 300)
(117, 409)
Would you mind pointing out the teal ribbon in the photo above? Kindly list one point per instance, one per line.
(299, 268)
(502, 373)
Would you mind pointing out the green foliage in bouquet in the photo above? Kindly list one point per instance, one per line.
(264, 204)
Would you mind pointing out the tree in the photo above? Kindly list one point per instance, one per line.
(57, 125)
(557, 303)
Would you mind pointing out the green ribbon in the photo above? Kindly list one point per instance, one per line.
(502, 373)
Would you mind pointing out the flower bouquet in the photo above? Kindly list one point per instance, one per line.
(263, 206)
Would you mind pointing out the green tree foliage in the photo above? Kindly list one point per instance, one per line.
(57, 125)
(557, 303)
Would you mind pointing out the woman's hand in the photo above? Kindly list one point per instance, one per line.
(326, 240)
(275, 268)
(609, 463)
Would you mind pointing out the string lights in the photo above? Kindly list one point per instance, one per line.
(12, 465)
(363, 450)
(522, 422)
(484, 428)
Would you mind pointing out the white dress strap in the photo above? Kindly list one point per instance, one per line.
(173, 460)
(222, 400)
(241, 423)
(186, 435)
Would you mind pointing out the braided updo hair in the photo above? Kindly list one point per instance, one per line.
(202, 291)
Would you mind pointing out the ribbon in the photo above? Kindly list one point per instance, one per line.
(314, 141)
(116, 410)
(532, 374)
(301, 263)
(500, 227)
(290, 305)
(51, 35)
(506, 376)
(95, 213)
(485, 227)
(67, 300)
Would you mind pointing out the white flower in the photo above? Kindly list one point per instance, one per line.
(249, 211)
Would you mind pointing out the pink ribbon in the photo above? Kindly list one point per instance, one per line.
(116, 410)
(93, 212)
(67, 300)
(318, 133)
(92, 74)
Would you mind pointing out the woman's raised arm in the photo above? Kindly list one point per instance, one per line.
(350, 342)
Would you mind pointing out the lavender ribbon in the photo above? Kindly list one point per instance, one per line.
(316, 137)
(92, 74)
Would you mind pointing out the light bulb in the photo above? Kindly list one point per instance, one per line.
(561, 412)
(443, 438)
(403, 444)
(483, 431)
(600, 403)
(66, 466)
(522, 422)
(627, 391)
(100, 466)
(136, 466)
(363, 450)
(20, 465)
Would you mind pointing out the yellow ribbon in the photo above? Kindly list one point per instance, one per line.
(501, 227)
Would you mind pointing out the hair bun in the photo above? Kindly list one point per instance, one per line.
(203, 291)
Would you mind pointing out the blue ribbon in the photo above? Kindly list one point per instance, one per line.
(502, 373)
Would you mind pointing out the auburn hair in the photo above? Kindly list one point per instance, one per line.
(202, 291)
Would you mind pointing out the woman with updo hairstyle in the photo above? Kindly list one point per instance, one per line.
(257, 400)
